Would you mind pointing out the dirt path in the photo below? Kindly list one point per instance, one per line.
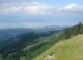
(49, 57)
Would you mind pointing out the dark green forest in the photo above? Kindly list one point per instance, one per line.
(15, 45)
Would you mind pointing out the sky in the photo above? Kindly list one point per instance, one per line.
(39, 13)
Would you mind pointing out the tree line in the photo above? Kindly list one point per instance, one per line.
(39, 49)
(73, 31)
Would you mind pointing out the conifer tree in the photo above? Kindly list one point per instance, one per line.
(79, 28)
(67, 34)
(29, 56)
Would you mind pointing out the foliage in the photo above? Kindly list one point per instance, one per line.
(15, 46)
(67, 34)
(70, 49)
(12, 50)
(73, 31)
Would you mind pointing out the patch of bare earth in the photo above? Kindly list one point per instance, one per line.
(49, 56)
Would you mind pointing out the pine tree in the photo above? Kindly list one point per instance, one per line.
(67, 34)
(79, 28)
(29, 56)
(82, 27)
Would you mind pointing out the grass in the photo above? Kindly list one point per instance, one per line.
(71, 49)
(23, 58)
(41, 40)
(1, 57)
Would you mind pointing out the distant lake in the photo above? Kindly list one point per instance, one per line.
(7, 25)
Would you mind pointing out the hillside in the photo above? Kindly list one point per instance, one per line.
(42, 40)
(5, 34)
(57, 45)
(21, 44)
(1, 57)
(70, 49)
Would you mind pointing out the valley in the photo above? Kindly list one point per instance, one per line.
(44, 45)
(41, 29)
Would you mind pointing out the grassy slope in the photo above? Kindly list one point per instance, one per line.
(1, 57)
(41, 39)
(71, 49)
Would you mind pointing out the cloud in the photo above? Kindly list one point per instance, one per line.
(35, 3)
(72, 9)
(34, 8)
(69, 6)
(38, 8)
(13, 1)
(37, 12)
(11, 9)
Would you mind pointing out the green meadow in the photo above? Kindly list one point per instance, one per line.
(71, 49)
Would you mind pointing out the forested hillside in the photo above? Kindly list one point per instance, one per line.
(5, 34)
(16, 48)
(67, 46)
(70, 49)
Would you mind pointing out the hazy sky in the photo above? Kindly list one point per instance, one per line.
(39, 13)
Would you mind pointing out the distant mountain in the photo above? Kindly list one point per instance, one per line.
(9, 33)
(18, 45)
(53, 28)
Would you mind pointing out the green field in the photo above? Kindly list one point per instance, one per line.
(42, 40)
(1, 57)
(71, 49)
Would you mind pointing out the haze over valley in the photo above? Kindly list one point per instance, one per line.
(41, 29)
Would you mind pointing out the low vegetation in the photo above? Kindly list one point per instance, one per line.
(19, 50)
(67, 47)
(70, 49)
(19, 47)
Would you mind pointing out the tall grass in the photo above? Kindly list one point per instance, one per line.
(71, 49)
(1, 57)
